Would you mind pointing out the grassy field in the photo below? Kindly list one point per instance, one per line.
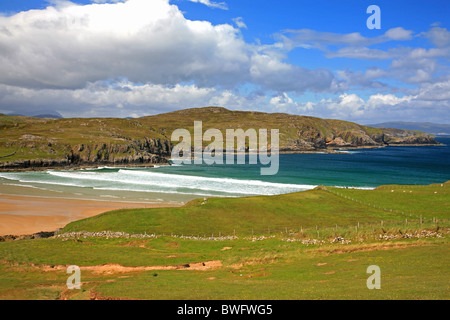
(269, 269)
(321, 207)
(295, 259)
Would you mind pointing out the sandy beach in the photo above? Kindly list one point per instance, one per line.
(30, 214)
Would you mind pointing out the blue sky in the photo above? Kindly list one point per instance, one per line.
(138, 57)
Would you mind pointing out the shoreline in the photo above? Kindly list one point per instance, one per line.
(24, 214)
(330, 150)
(80, 167)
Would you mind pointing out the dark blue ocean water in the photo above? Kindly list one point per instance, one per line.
(363, 168)
(359, 168)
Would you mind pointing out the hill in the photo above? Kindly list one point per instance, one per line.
(28, 142)
(432, 128)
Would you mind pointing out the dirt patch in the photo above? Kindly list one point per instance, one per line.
(94, 295)
(321, 264)
(263, 261)
(258, 274)
(112, 268)
(226, 248)
(135, 244)
(369, 247)
(173, 245)
(65, 294)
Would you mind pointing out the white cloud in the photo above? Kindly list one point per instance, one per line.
(240, 23)
(430, 103)
(120, 100)
(107, 1)
(139, 57)
(142, 41)
(439, 91)
(438, 36)
(346, 105)
(283, 103)
(386, 100)
(363, 53)
(398, 34)
(317, 39)
(212, 4)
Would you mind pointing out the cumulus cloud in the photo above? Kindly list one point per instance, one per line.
(431, 102)
(140, 57)
(276, 75)
(439, 36)
(398, 34)
(142, 41)
(122, 99)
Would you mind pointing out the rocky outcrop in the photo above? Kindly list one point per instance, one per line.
(38, 235)
(407, 137)
(138, 152)
(312, 139)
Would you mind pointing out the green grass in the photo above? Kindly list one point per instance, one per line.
(412, 273)
(293, 212)
(410, 200)
(272, 268)
(269, 269)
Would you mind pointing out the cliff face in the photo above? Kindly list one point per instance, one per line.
(31, 143)
(137, 152)
(313, 139)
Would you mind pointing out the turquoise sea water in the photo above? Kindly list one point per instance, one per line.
(362, 168)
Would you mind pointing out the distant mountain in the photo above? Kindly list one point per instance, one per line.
(428, 127)
(49, 114)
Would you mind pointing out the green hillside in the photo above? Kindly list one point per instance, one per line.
(321, 207)
(33, 142)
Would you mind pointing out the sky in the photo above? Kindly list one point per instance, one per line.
(132, 58)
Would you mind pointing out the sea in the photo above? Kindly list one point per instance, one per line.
(357, 168)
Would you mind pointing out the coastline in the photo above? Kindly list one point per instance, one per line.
(166, 162)
(83, 166)
(27, 210)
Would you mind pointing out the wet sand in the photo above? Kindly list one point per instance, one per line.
(20, 214)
